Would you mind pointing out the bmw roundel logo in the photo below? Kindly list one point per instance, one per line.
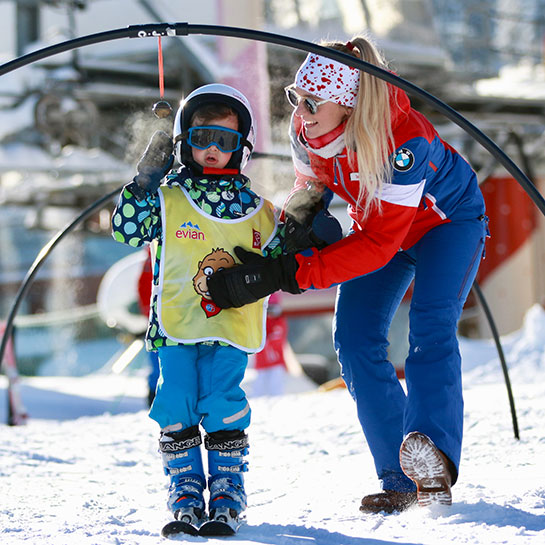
(403, 160)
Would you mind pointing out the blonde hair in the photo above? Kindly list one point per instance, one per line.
(368, 130)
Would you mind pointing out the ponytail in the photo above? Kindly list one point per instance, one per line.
(368, 133)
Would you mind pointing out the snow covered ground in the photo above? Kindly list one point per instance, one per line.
(85, 470)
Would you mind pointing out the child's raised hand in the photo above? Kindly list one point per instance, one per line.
(153, 166)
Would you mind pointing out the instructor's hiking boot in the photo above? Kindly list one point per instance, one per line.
(388, 501)
(428, 467)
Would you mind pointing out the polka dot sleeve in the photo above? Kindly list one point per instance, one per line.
(136, 222)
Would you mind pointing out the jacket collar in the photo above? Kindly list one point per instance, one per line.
(327, 145)
(209, 182)
(325, 139)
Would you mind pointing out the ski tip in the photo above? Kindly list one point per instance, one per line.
(216, 528)
(176, 527)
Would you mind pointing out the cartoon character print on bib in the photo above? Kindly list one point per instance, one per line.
(215, 261)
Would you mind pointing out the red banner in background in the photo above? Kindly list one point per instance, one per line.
(512, 216)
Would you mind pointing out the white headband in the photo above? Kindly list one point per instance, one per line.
(326, 78)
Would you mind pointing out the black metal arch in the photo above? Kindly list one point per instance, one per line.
(185, 29)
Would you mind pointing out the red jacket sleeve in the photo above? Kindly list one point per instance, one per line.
(145, 281)
(362, 252)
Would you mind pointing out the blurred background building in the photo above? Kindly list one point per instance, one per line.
(73, 125)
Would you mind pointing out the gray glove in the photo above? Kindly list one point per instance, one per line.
(153, 166)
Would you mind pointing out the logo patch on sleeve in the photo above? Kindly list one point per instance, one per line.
(403, 160)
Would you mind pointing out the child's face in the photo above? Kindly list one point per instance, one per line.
(212, 156)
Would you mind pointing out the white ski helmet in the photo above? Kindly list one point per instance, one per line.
(215, 93)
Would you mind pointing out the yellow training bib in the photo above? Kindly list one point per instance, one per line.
(194, 246)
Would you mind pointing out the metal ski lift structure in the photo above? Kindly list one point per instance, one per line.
(185, 29)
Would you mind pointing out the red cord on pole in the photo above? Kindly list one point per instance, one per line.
(161, 109)
(161, 70)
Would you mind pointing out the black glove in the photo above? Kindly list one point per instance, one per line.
(256, 278)
(154, 165)
(319, 231)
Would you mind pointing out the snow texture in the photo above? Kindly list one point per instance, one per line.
(85, 469)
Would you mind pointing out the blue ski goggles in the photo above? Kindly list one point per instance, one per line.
(226, 140)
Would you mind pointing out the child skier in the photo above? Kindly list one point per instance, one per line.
(194, 220)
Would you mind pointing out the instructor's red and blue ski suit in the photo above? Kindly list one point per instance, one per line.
(431, 228)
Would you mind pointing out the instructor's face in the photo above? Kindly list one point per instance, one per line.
(328, 116)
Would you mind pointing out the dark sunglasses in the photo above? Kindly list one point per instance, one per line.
(311, 104)
(226, 140)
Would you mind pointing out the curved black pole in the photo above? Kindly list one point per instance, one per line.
(184, 29)
(476, 288)
(40, 259)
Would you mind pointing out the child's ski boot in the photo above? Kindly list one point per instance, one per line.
(182, 462)
(226, 464)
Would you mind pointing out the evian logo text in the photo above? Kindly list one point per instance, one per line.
(190, 230)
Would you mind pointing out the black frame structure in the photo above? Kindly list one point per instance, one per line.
(185, 29)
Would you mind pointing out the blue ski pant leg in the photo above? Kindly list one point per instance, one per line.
(222, 402)
(177, 388)
(154, 372)
(201, 383)
(364, 310)
(447, 260)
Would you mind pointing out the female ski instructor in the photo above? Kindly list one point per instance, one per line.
(417, 214)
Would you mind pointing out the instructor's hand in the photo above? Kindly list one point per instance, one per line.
(319, 231)
(254, 279)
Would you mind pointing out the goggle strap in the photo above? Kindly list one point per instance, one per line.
(245, 142)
